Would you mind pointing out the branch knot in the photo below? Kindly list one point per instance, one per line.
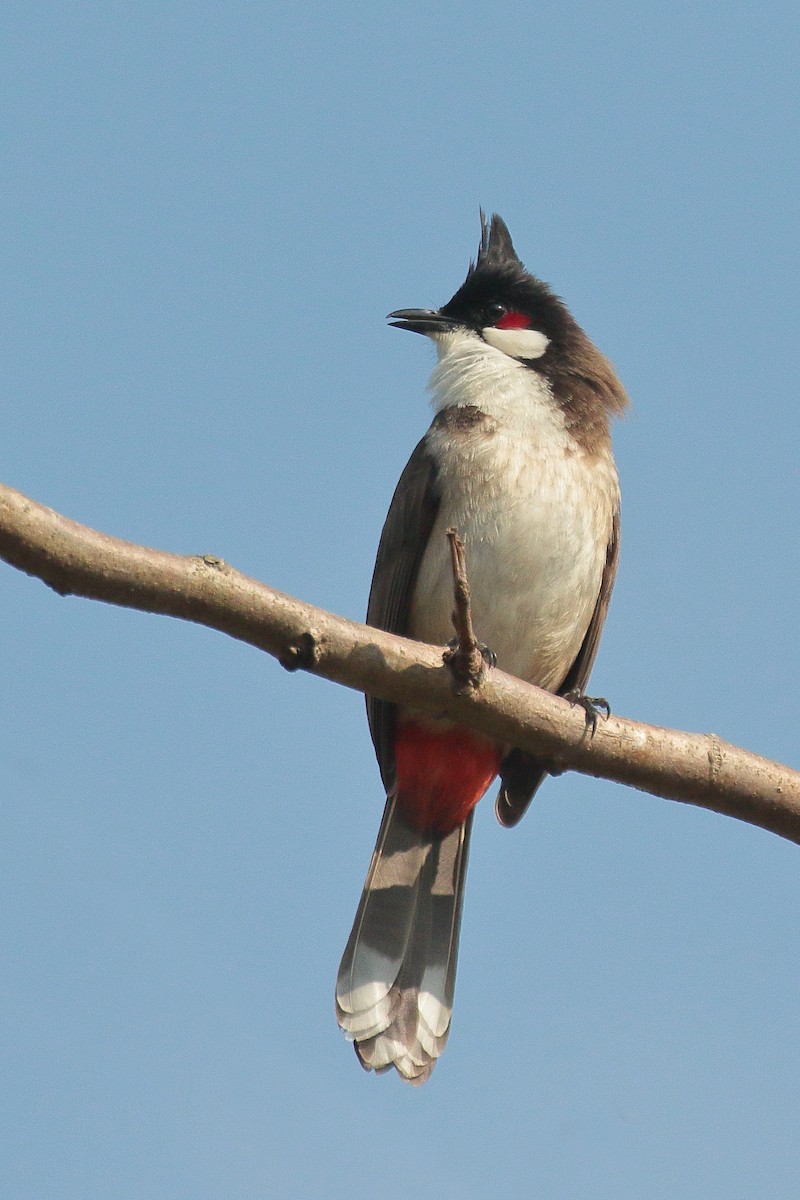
(302, 655)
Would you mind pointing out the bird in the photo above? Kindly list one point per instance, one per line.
(518, 459)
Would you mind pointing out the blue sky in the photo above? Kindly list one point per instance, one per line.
(207, 212)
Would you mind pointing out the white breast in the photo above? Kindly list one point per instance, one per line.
(535, 511)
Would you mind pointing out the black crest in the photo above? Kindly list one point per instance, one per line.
(496, 248)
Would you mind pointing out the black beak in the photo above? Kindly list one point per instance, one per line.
(421, 320)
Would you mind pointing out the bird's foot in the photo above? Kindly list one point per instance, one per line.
(592, 706)
(468, 665)
(453, 647)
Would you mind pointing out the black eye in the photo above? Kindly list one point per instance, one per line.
(494, 312)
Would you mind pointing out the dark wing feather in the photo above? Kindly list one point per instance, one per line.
(408, 526)
(521, 773)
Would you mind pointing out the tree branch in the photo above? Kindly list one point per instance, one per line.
(696, 768)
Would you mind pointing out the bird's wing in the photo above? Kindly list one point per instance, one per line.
(406, 531)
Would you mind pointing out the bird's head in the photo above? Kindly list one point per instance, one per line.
(499, 302)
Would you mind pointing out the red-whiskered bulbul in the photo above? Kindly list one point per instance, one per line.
(518, 459)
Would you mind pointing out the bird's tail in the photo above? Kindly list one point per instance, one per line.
(394, 991)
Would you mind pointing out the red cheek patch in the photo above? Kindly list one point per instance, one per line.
(513, 320)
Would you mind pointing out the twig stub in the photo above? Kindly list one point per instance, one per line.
(464, 659)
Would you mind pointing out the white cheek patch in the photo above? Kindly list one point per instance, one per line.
(517, 343)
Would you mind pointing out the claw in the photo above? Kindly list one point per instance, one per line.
(591, 705)
(488, 656)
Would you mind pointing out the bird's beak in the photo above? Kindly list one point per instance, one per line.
(421, 320)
